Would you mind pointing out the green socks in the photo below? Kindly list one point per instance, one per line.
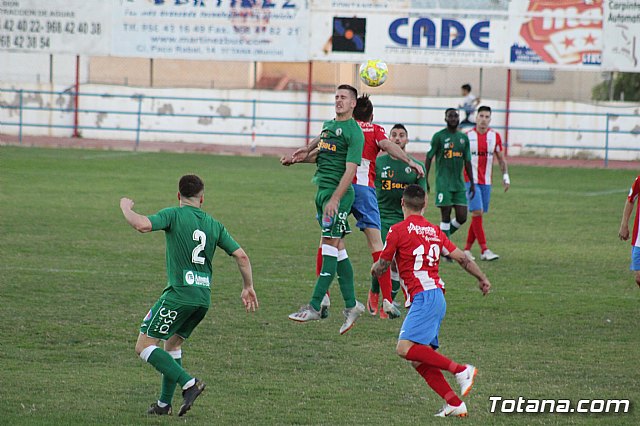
(329, 266)
(169, 386)
(165, 364)
(395, 288)
(345, 279)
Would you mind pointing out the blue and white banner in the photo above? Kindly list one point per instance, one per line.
(409, 37)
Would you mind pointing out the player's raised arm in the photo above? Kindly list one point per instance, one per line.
(137, 221)
(473, 269)
(397, 152)
(248, 295)
(305, 154)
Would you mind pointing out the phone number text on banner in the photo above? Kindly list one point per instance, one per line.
(55, 26)
(244, 31)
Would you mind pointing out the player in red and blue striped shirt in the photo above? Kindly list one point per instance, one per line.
(624, 227)
(484, 143)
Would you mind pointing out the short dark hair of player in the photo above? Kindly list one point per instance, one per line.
(349, 88)
(466, 87)
(414, 197)
(364, 109)
(450, 109)
(484, 108)
(400, 126)
(190, 186)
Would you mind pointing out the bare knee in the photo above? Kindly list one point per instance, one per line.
(173, 343)
(139, 348)
(402, 348)
(638, 279)
(144, 342)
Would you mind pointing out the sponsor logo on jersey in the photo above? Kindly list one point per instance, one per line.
(450, 153)
(388, 185)
(327, 146)
(427, 232)
(198, 279)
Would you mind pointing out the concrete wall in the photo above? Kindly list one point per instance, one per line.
(272, 118)
(420, 80)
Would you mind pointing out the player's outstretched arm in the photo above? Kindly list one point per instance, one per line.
(139, 222)
(248, 295)
(472, 268)
(396, 152)
(305, 154)
(623, 233)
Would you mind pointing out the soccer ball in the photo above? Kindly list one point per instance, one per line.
(373, 72)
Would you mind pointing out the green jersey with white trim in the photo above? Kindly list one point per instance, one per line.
(192, 237)
(392, 177)
(341, 142)
(451, 151)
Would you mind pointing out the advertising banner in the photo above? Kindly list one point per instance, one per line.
(410, 36)
(56, 26)
(556, 34)
(622, 35)
(272, 30)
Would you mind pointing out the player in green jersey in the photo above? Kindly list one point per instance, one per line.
(192, 237)
(451, 150)
(339, 153)
(392, 176)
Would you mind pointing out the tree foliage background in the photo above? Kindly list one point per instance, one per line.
(626, 87)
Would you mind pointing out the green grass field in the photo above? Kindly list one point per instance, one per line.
(76, 280)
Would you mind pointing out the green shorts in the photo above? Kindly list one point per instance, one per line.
(387, 223)
(339, 226)
(451, 198)
(167, 318)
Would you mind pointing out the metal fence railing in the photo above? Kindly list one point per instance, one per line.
(288, 118)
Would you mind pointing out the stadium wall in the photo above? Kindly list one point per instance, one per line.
(267, 118)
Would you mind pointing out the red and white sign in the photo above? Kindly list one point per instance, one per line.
(563, 32)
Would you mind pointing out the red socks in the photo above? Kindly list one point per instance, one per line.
(384, 280)
(319, 261)
(476, 230)
(426, 355)
(436, 381)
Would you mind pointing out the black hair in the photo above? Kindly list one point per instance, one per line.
(484, 108)
(349, 88)
(466, 87)
(364, 108)
(400, 126)
(190, 186)
(414, 197)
